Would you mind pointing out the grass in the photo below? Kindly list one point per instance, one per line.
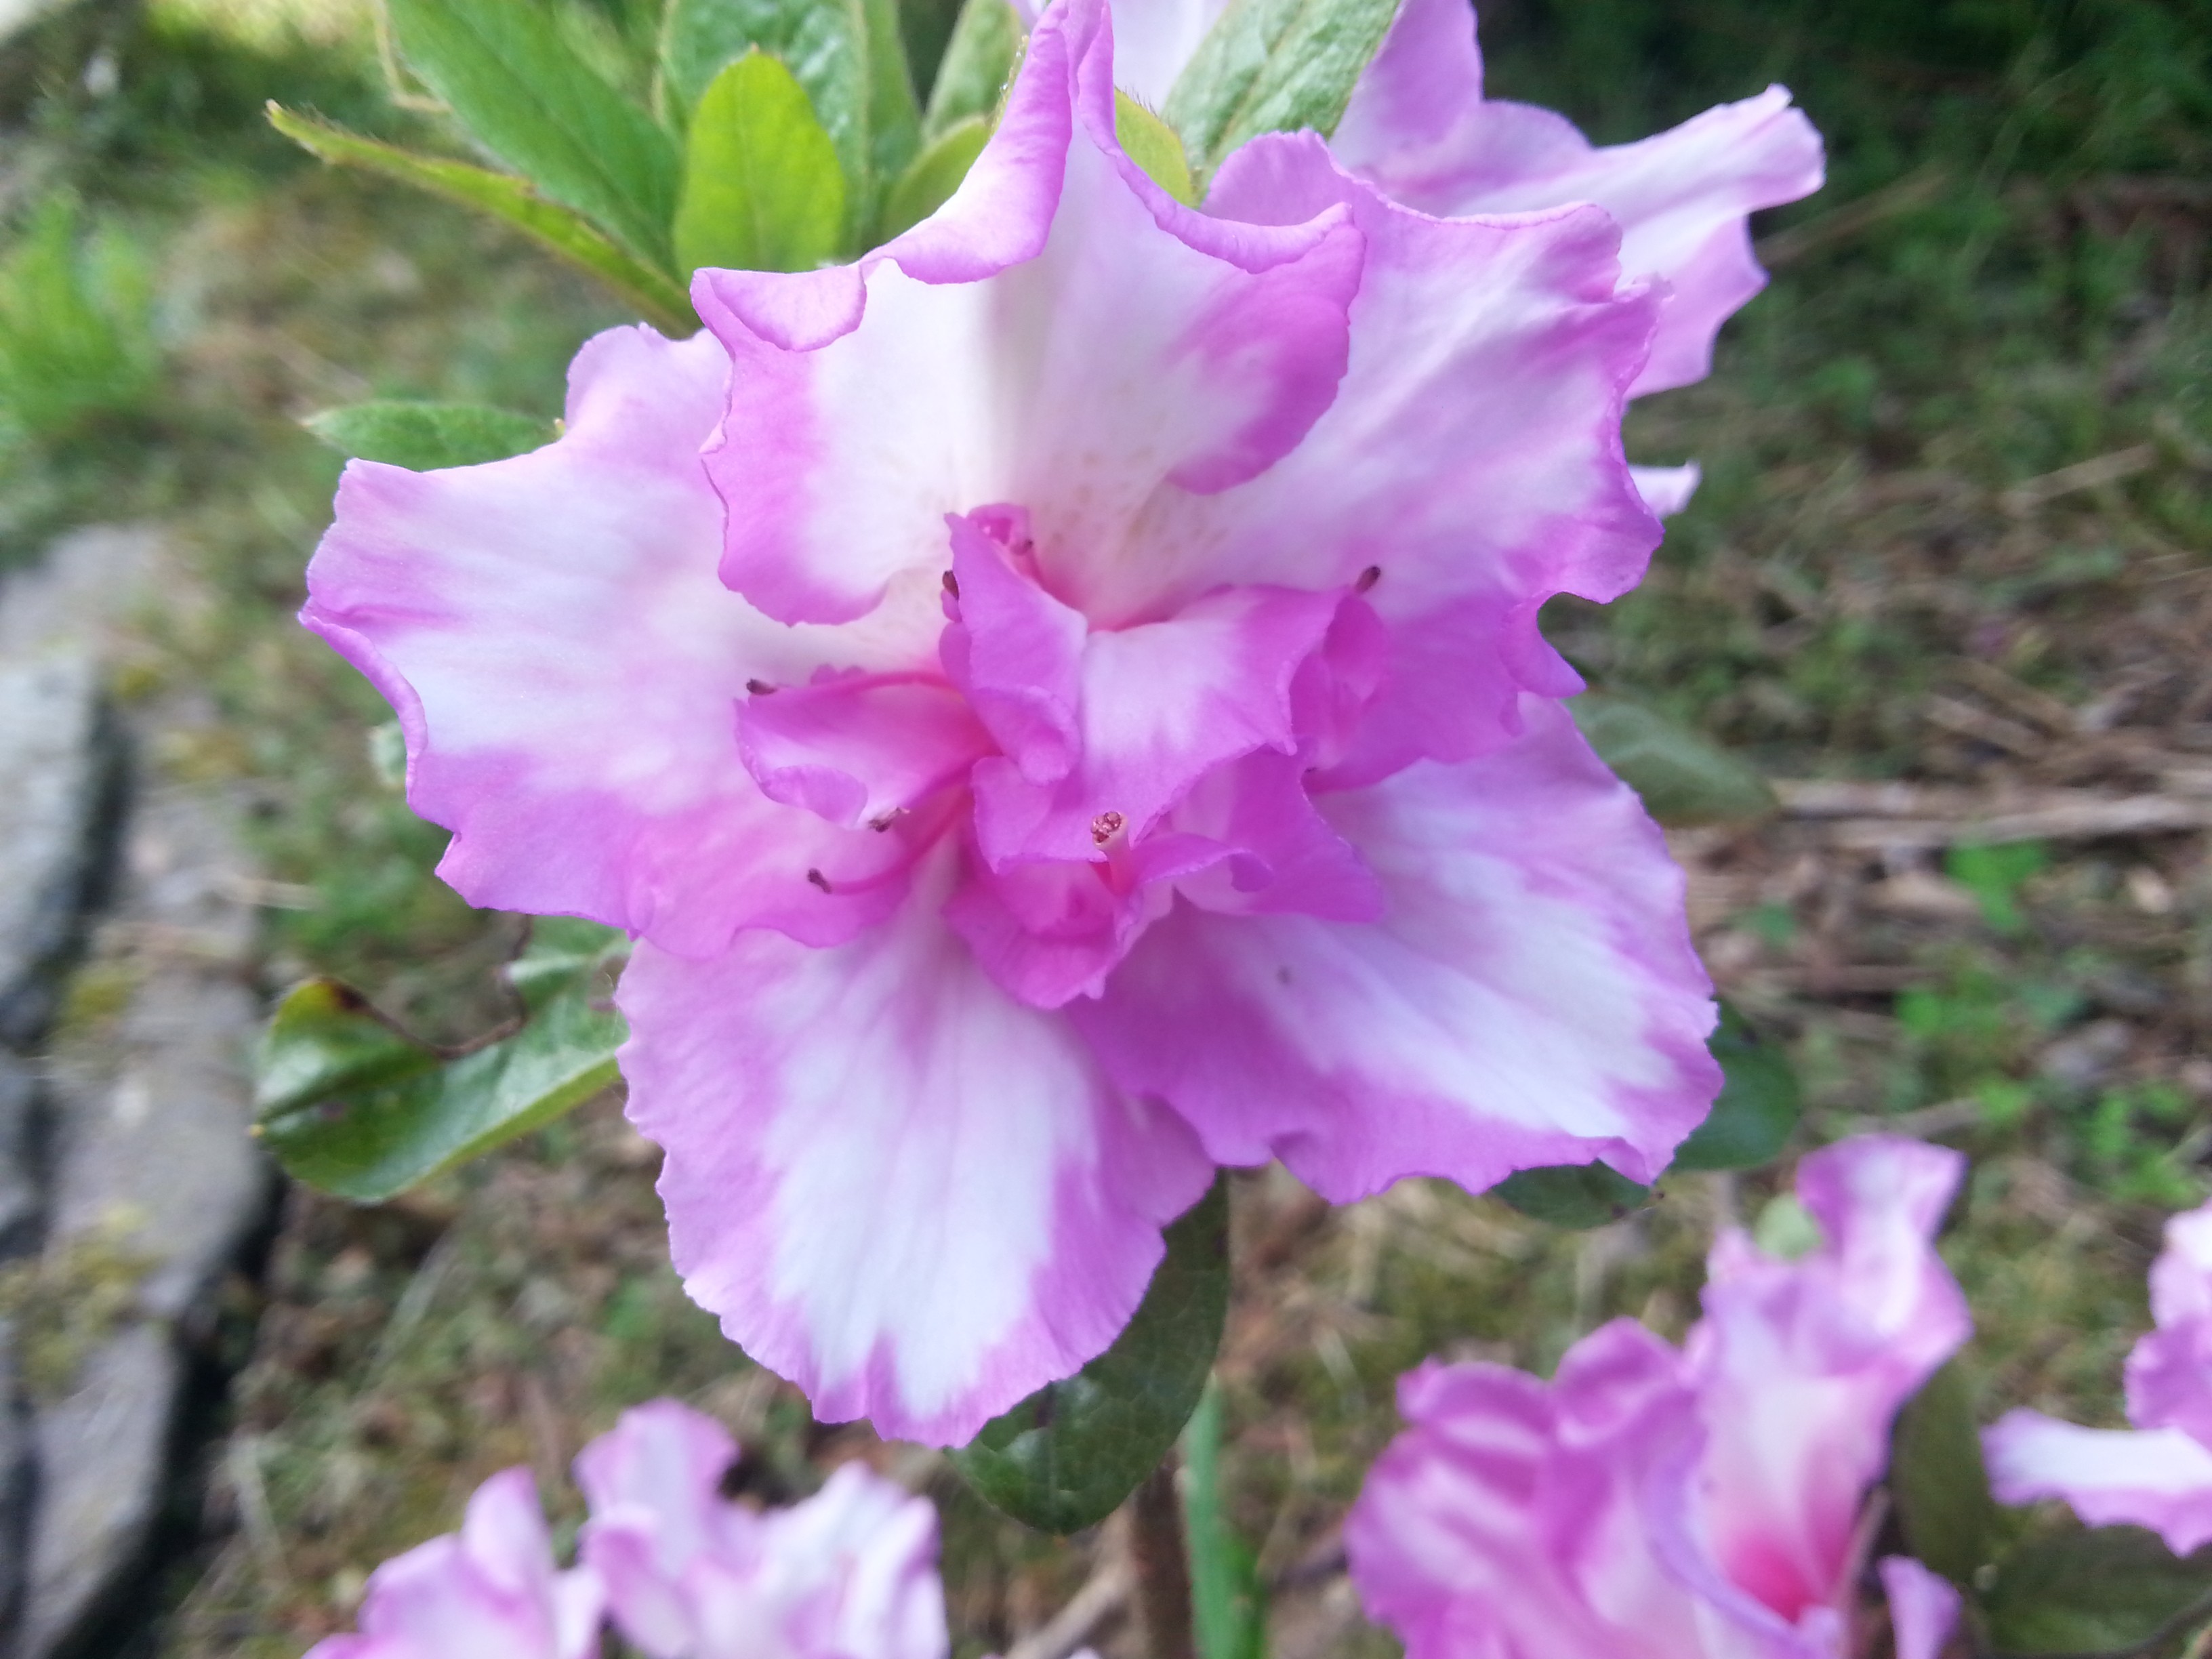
(2005, 278)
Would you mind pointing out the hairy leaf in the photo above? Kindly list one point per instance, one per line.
(425, 436)
(1151, 143)
(351, 1104)
(1758, 1102)
(1577, 1196)
(1273, 66)
(658, 297)
(979, 61)
(1684, 777)
(762, 187)
(936, 173)
(522, 93)
(1065, 1456)
(1938, 1481)
(2110, 1590)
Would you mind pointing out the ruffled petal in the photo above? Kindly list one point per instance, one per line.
(1666, 490)
(855, 1567)
(1803, 1364)
(2169, 1375)
(1531, 997)
(1471, 461)
(1923, 1606)
(859, 749)
(825, 1112)
(668, 1460)
(564, 663)
(1144, 346)
(2161, 1478)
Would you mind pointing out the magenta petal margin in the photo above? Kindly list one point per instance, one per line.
(1059, 703)
(1705, 1503)
(2158, 1475)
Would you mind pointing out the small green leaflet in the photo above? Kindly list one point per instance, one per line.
(1684, 777)
(1938, 1481)
(1573, 1195)
(979, 61)
(424, 436)
(763, 189)
(523, 93)
(351, 1104)
(656, 295)
(929, 184)
(824, 43)
(1064, 1458)
(1151, 143)
(1759, 1105)
(1273, 66)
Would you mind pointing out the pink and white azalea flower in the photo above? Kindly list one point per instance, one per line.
(2158, 1475)
(1705, 1503)
(1419, 129)
(492, 1588)
(1083, 723)
(849, 1573)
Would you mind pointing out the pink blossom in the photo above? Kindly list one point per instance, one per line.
(492, 1588)
(1419, 129)
(2158, 1475)
(1706, 1503)
(1083, 723)
(849, 1573)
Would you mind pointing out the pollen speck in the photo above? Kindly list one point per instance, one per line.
(819, 879)
(952, 584)
(1368, 578)
(759, 688)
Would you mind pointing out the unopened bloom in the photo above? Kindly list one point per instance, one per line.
(849, 1573)
(1705, 1503)
(2158, 1474)
(492, 1588)
(1420, 130)
(1083, 723)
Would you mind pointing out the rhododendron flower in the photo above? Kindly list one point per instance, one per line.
(2158, 1474)
(849, 1573)
(1084, 722)
(1419, 129)
(1705, 1503)
(492, 1588)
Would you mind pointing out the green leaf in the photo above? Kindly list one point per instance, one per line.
(656, 296)
(1151, 143)
(1759, 1101)
(824, 43)
(1684, 777)
(425, 436)
(1273, 66)
(351, 1104)
(936, 173)
(1064, 1457)
(1937, 1480)
(894, 114)
(926, 29)
(979, 61)
(1577, 1196)
(1228, 1602)
(762, 187)
(523, 93)
(2112, 1591)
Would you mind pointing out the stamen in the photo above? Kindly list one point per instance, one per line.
(952, 584)
(884, 821)
(819, 879)
(759, 688)
(1105, 827)
(1368, 578)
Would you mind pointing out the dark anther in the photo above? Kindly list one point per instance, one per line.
(1368, 578)
(884, 821)
(952, 584)
(1106, 826)
(759, 688)
(819, 879)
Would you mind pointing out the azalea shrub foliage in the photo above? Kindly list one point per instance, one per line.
(1018, 687)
